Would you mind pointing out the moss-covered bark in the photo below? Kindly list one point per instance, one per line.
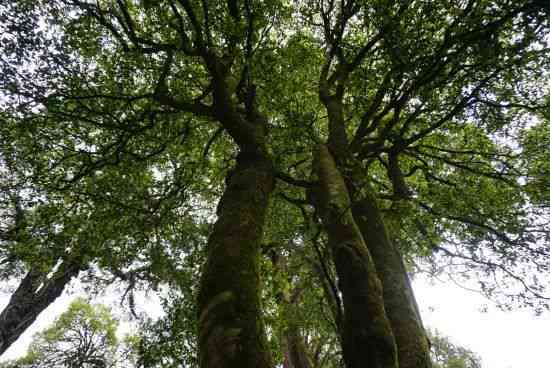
(368, 338)
(412, 342)
(230, 328)
(387, 264)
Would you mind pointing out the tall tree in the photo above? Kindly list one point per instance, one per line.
(83, 336)
(446, 354)
(389, 127)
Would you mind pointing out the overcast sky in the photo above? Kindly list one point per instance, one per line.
(516, 339)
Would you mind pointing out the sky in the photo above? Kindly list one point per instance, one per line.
(516, 339)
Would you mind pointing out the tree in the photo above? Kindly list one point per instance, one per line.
(448, 355)
(396, 138)
(83, 336)
(29, 238)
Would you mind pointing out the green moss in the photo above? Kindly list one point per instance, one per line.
(229, 303)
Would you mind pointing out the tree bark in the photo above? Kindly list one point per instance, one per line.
(401, 307)
(231, 333)
(34, 294)
(296, 348)
(295, 352)
(368, 338)
(398, 298)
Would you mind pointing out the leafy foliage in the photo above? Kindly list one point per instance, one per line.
(448, 355)
(83, 336)
(112, 151)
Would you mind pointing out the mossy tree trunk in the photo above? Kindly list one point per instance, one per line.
(387, 265)
(296, 352)
(368, 340)
(231, 332)
(399, 301)
(295, 349)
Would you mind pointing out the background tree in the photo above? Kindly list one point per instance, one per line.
(445, 354)
(83, 336)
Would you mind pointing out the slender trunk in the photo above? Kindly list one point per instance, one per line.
(296, 354)
(330, 292)
(368, 338)
(401, 307)
(296, 348)
(34, 294)
(230, 330)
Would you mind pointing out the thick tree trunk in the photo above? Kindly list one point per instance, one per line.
(231, 333)
(412, 342)
(34, 294)
(368, 338)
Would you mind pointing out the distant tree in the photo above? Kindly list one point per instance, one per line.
(446, 354)
(84, 337)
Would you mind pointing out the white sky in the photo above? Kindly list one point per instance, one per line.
(516, 339)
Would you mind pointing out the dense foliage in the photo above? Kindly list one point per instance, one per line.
(274, 167)
(83, 336)
(446, 354)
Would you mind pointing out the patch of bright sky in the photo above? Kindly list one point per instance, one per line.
(516, 339)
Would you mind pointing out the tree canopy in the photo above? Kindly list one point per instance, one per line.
(82, 336)
(449, 355)
(276, 167)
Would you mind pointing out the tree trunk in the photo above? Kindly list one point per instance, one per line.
(412, 342)
(333, 299)
(295, 348)
(34, 294)
(231, 333)
(295, 352)
(368, 338)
